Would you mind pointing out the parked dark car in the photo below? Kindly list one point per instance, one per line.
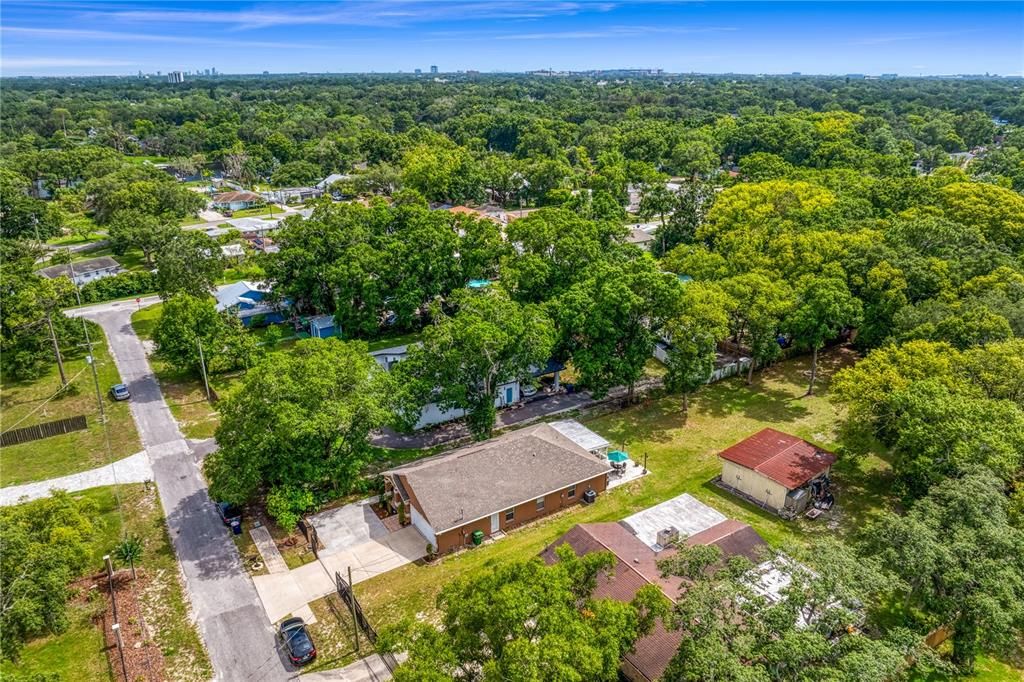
(296, 641)
(120, 392)
(231, 516)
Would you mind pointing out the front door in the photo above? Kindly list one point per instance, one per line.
(508, 395)
(495, 524)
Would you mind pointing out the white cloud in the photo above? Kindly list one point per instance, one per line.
(383, 13)
(53, 62)
(85, 34)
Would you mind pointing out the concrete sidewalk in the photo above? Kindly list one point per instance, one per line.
(369, 669)
(134, 469)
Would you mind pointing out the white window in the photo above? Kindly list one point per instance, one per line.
(510, 515)
(572, 491)
(540, 504)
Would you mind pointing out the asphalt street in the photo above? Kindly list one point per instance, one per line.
(231, 620)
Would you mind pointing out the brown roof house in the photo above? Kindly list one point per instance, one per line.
(776, 470)
(495, 485)
(636, 566)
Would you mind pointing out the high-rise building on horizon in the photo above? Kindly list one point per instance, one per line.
(175, 77)
(433, 69)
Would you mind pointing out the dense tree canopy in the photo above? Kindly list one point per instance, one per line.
(527, 621)
(298, 426)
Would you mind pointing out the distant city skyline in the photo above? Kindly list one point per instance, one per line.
(873, 38)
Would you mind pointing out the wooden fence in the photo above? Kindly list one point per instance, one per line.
(38, 431)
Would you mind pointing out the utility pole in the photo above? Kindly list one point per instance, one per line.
(56, 351)
(202, 366)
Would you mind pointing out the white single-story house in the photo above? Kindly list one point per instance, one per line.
(290, 194)
(325, 184)
(254, 227)
(508, 393)
(85, 271)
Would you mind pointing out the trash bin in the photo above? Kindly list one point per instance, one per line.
(478, 537)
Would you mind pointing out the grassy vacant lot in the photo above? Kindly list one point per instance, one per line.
(681, 455)
(78, 654)
(72, 452)
(184, 393)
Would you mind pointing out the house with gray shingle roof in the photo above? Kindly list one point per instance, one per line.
(495, 485)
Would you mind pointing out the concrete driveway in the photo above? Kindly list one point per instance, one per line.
(347, 526)
(353, 538)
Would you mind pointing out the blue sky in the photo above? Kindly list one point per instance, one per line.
(911, 38)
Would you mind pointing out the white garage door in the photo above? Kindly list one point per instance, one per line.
(422, 526)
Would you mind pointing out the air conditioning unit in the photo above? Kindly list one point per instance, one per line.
(667, 536)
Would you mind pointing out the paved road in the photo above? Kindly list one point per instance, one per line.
(133, 469)
(231, 619)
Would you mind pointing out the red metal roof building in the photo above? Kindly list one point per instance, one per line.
(770, 464)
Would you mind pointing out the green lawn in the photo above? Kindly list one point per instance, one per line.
(130, 260)
(72, 452)
(78, 653)
(396, 340)
(185, 393)
(681, 455)
(259, 212)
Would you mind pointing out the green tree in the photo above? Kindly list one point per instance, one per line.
(824, 306)
(702, 320)
(442, 173)
(300, 421)
(46, 545)
(189, 263)
(609, 322)
(962, 562)
(465, 357)
(731, 631)
(186, 322)
(526, 621)
(690, 209)
(296, 174)
(21, 215)
(937, 433)
(557, 247)
(133, 229)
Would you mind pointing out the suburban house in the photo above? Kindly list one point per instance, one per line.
(641, 238)
(85, 271)
(236, 200)
(323, 326)
(484, 489)
(234, 252)
(287, 195)
(777, 471)
(326, 183)
(508, 393)
(636, 566)
(247, 301)
(254, 227)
